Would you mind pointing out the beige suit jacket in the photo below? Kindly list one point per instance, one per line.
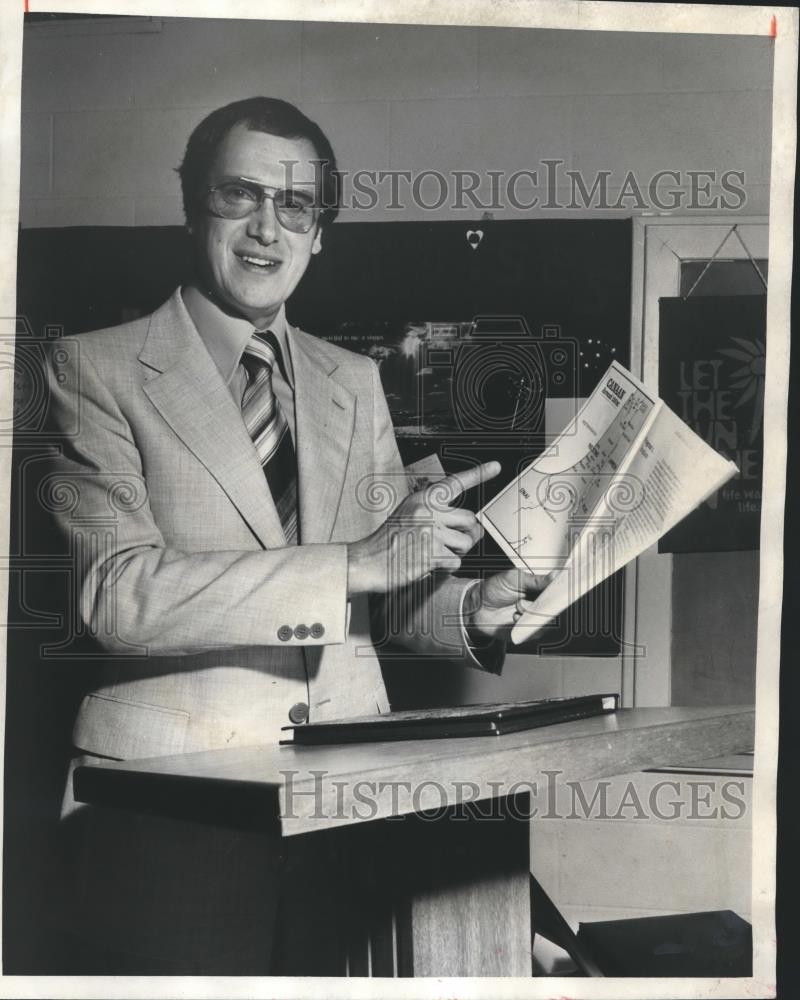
(214, 627)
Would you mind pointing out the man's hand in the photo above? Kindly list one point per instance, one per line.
(423, 534)
(501, 599)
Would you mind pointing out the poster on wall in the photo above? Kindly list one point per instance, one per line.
(711, 373)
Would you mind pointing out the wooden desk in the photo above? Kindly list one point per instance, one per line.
(442, 894)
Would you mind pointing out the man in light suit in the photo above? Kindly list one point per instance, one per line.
(229, 611)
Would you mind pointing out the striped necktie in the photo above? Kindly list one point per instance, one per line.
(266, 424)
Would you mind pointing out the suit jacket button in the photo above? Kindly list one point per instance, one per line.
(317, 630)
(298, 713)
(301, 632)
(285, 633)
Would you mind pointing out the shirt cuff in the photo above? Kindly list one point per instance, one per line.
(485, 653)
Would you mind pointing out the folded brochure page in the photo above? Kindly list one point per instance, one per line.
(623, 472)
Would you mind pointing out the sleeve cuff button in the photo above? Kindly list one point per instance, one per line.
(298, 714)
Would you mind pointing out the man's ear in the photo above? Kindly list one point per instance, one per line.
(316, 246)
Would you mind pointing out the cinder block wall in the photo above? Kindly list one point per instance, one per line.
(106, 115)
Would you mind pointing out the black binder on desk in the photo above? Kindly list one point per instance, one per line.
(445, 723)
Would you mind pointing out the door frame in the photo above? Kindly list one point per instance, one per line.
(660, 246)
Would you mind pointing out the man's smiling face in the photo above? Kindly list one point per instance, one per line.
(252, 265)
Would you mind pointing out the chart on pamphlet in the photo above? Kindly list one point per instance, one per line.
(622, 474)
(568, 480)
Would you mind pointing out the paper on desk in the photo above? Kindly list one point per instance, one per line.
(621, 475)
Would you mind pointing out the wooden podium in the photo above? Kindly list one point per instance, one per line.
(433, 836)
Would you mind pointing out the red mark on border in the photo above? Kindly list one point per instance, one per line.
(773, 25)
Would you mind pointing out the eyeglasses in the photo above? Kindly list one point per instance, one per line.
(237, 198)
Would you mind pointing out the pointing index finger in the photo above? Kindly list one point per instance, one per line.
(459, 482)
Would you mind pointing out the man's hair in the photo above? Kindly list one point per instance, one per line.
(260, 114)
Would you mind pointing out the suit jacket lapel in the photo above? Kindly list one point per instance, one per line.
(325, 416)
(191, 395)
